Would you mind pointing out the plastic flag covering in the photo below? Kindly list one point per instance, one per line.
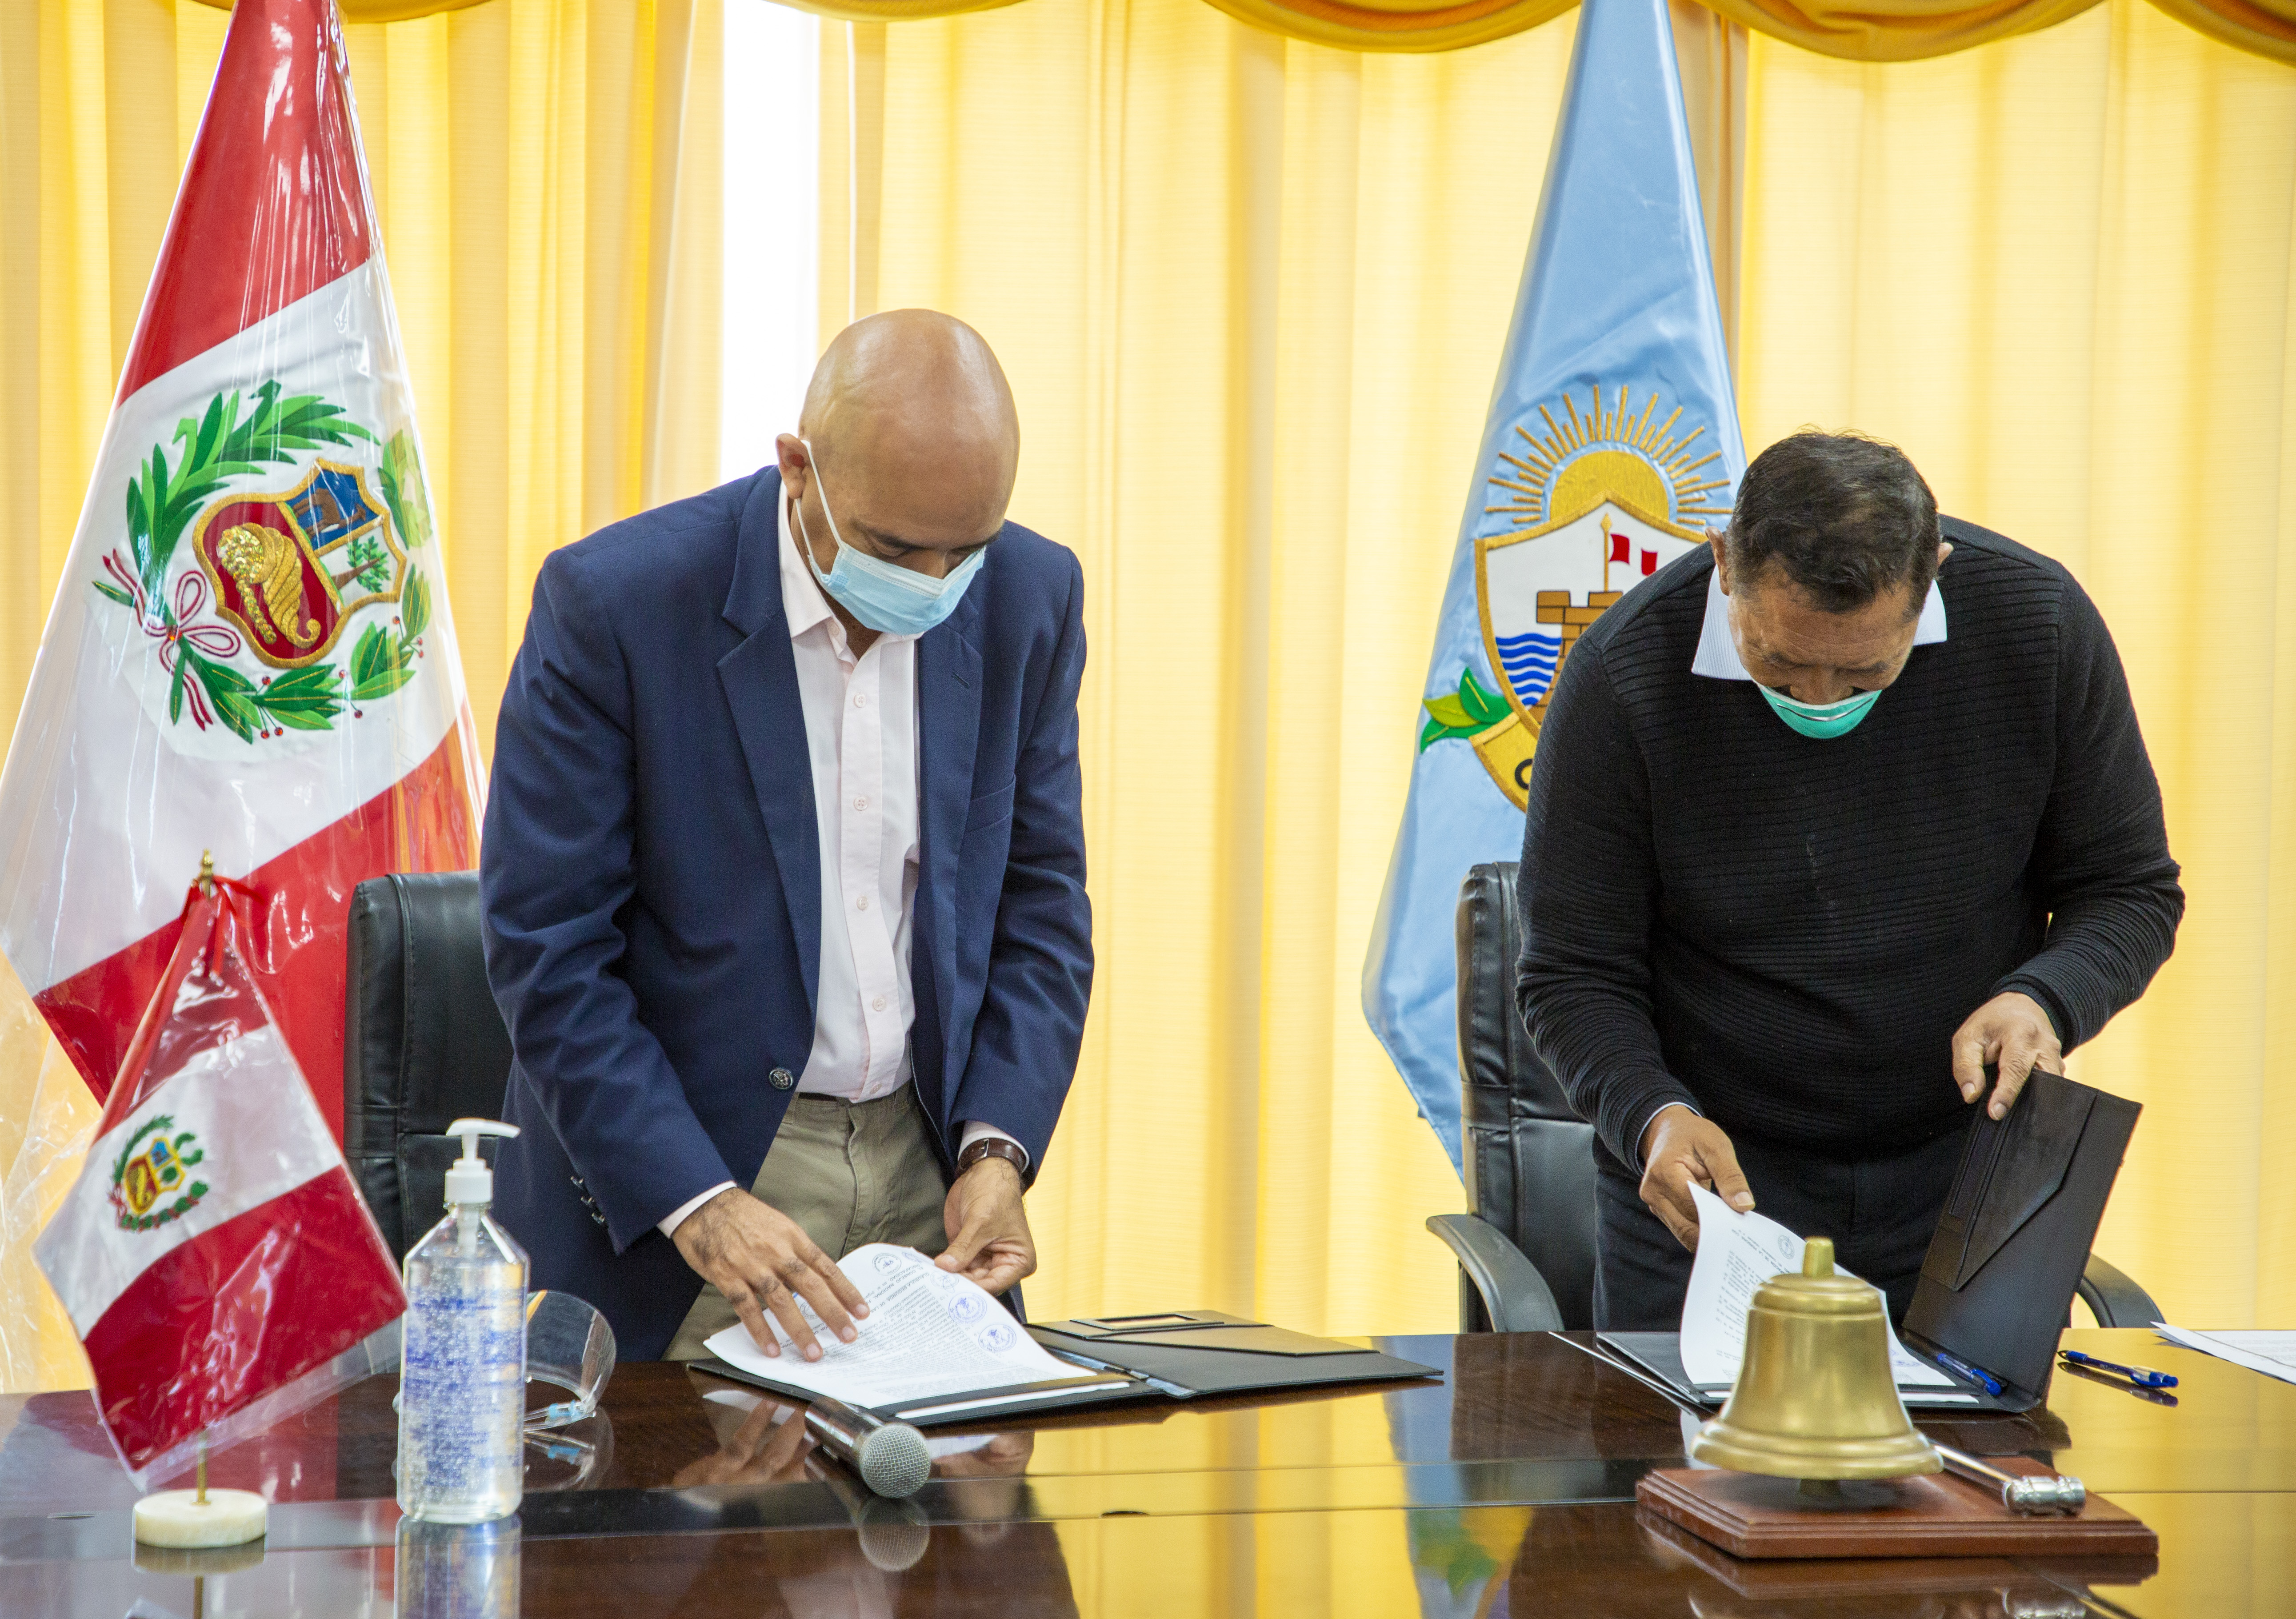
(215, 1259)
(42, 1096)
(1612, 441)
(249, 650)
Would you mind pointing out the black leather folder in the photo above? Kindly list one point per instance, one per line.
(2007, 1257)
(1998, 1282)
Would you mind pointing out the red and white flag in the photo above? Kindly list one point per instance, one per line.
(250, 651)
(213, 1254)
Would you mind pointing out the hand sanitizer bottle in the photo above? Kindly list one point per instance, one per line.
(462, 1381)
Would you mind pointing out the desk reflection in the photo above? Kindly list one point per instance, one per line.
(896, 1564)
(457, 1571)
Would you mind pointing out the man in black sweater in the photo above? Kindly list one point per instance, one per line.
(1820, 827)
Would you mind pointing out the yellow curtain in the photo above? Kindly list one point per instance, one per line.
(1250, 293)
(548, 178)
(2061, 271)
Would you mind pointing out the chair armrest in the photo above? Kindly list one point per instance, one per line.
(1514, 1295)
(2114, 1299)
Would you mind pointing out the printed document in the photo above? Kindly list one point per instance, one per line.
(1737, 1254)
(2273, 1353)
(928, 1332)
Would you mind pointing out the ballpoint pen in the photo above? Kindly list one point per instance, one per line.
(2144, 1378)
(1960, 1368)
(2135, 1390)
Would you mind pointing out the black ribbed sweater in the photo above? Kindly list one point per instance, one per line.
(1785, 933)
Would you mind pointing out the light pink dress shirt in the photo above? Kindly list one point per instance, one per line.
(861, 739)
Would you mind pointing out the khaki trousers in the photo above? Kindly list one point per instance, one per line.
(848, 1173)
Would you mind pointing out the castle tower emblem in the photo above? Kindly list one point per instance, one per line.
(1584, 511)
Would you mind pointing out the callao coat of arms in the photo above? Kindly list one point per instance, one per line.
(1604, 498)
(156, 1162)
(269, 553)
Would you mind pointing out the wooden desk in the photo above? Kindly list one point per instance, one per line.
(1505, 1489)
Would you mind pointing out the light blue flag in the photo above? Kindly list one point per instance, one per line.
(1612, 441)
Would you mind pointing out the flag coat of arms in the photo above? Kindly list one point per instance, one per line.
(1612, 441)
(250, 651)
(214, 1253)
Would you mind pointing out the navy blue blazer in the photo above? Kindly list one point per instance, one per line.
(652, 880)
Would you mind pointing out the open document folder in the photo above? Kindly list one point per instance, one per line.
(934, 1344)
(1996, 1282)
(1737, 1254)
(936, 1349)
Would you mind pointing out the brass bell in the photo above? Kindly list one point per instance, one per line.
(1815, 1398)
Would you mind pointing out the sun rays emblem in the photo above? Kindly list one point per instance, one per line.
(1601, 499)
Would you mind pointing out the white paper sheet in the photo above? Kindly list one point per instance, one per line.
(928, 1332)
(1737, 1254)
(2273, 1353)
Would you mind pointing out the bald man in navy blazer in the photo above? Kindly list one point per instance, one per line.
(783, 870)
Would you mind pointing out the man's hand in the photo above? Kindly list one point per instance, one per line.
(761, 1260)
(2014, 1031)
(988, 1237)
(1679, 1147)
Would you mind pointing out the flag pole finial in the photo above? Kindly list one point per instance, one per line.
(207, 872)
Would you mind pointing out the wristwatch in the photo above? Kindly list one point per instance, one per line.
(996, 1146)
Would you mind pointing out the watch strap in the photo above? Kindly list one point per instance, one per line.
(996, 1146)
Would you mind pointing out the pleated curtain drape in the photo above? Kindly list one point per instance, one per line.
(1249, 290)
(548, 177)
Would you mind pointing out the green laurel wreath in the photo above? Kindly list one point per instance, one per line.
(383, 660)
(1473, 710)
(219, 445)
(182, 1204)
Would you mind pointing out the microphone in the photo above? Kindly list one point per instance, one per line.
(891, 1456)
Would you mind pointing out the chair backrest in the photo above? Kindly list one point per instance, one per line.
(423, 1044)
(1530, 1160)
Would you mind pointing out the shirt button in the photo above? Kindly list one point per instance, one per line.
(860, 803)
(862, 903)
(860, 699)
(878, 1004)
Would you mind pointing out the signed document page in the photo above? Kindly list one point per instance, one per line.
(1737, 1254)
(928, 1332)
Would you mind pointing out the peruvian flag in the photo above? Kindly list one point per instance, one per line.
(214, 1253)
(250, 651)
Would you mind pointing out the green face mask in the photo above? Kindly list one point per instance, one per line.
(1823, 720)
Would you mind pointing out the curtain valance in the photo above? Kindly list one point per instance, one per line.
(1875, 30)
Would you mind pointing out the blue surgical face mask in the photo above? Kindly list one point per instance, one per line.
(888, 598)
(1823, 720)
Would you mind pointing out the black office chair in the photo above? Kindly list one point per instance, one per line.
(423, 1044)
(1526, 1247)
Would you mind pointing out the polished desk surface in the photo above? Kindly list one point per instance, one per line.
(1505, 1488)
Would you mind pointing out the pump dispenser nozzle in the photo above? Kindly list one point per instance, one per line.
(471, 1183)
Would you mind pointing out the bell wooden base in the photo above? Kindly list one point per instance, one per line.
(1935, 1516)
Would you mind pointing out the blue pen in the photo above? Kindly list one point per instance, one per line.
(2143, 1376)
(1960, 1368)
